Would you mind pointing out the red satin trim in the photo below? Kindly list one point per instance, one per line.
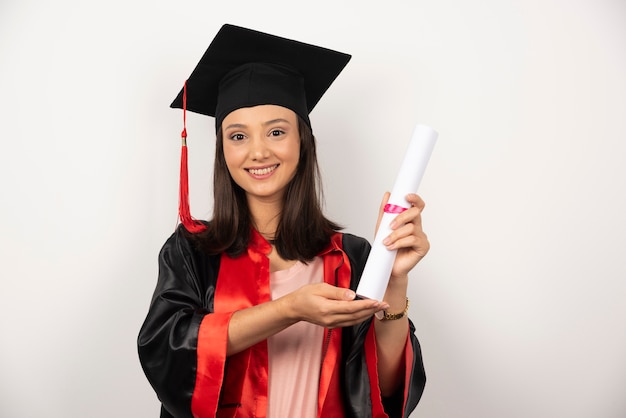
(337, 273)
(211, 359)
(244, 282)
(241, 283)
(389, 208)
(371, 358)
(408, 362)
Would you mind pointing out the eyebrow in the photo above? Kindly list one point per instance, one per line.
(273, 121)
(235, 125)
(269, 122)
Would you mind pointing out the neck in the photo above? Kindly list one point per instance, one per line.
(265, 216)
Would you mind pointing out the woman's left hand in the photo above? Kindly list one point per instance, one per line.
(407, 236)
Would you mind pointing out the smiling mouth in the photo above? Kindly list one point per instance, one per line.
(262, 171)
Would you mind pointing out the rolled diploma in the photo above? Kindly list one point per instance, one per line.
(380, 260)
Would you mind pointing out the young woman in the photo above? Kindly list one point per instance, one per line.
(254, 314)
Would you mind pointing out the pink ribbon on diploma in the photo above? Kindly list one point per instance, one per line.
(389, 208)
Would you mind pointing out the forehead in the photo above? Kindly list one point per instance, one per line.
(259, 115)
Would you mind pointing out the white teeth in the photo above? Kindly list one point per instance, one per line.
(262, 171)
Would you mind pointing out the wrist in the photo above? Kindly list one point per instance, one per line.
(286, 310)
(396, 293)
(387, 314)
(397, 287)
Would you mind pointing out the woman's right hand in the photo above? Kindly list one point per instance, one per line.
(329, 306)
(320, 304)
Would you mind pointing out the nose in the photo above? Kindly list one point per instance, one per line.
(258, 149)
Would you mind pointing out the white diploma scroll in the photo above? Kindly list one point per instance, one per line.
(380, 260)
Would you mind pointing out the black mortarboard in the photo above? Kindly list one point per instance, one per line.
(243, 68)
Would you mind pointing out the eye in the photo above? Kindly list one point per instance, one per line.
(237, 137)
(277, 132)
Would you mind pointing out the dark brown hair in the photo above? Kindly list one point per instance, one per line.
(303, 230)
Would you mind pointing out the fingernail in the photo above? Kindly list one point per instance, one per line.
(386, 241)
(350, 294)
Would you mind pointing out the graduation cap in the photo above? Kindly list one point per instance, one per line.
(245, 68)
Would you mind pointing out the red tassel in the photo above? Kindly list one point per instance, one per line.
(184, 213)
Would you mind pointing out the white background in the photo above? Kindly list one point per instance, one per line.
(520, 305)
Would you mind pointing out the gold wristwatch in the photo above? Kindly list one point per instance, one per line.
(392, 317)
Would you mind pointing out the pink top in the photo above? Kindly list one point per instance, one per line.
(295, 353)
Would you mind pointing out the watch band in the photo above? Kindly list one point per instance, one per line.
(392, 317)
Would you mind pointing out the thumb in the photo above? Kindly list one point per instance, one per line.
(337, 293)
(348, 294)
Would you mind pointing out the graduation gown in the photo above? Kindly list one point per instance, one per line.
(182, 343)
